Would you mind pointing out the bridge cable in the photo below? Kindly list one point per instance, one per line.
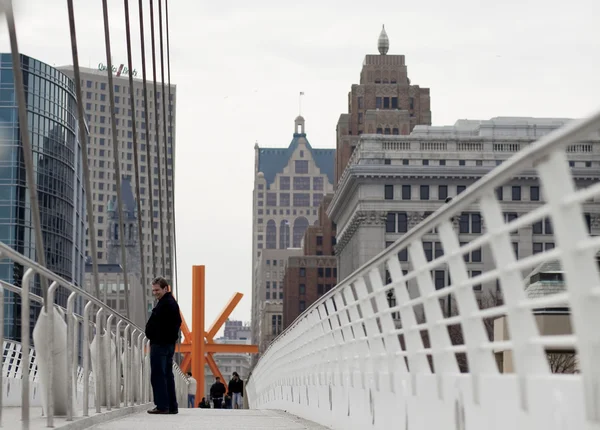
(174, 253)
(148, 154)
(165, 115)
(116, 151)
(26, 143)
(83, 138)
(157, 150)
(140, 233)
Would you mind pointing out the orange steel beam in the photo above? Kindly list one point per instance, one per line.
(220, 348)
(185, 330)
(214, 368)
(197, 348)
(212, 331)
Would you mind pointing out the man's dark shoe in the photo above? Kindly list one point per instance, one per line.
(173, 411)
(158, 411)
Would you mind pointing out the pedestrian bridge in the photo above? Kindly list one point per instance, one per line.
(355, 359)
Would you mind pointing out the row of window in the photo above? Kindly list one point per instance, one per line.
(285, 212)
(426, 162)
(299, 199)
(424, 192)
(322, 272)
(273, 295)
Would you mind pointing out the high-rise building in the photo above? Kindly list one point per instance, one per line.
(101, 160)
(54, 134)
(289, 185)
(385, 102)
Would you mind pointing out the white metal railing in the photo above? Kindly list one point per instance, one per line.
(346, 363)
(120, 368)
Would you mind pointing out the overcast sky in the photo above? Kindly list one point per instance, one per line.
(240, 65)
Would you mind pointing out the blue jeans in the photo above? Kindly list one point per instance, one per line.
(161, 378)
(191, 400)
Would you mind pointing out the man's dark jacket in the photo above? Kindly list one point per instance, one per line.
(217, 390)
(163, 325)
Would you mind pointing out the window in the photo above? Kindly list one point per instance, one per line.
(301, 199)
(320, 289)
(319, 240)
(534, 193)
(284, 199)
(284, 182)
(394, 102)
(301, 183)
(271, 199)
(302, 272)
(318, 183)
(396, 222)
(516, 193)
(461, 162)
(540, 247)
(317, 198)
(302, 289)
(389, 192)
(302, 306)
(406, 192)
(439, 251)
(442, 162)
(424, 192)
(442, 192)
(439, 277)
(475, 273)
(470, 223)
(499, 194)
(301, 167)
(543, 227)
(425, 162)
(460, 188)
(428, 248)
(515, 246)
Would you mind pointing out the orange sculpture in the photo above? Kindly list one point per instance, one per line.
(198, 346)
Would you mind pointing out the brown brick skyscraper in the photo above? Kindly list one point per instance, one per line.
(384, 102)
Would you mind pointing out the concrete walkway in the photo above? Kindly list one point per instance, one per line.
(213, 419)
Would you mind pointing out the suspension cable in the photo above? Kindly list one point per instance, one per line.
(26, 145)
(116, 151)
(156, 116)
(171, 105)
(148, 154)
(166, 150)
(83, 137)
(135, 160)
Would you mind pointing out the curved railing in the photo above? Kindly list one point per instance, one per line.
(120, 367)
(357, 360)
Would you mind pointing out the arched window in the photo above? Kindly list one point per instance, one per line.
(300, 226)
(271, 235)
(284, 234)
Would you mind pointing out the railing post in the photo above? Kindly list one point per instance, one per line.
(109, 381)
(99, 348)
(49, 310)
(25, 347)
(131, 366)
(126, 366)
(139, 375)
(119, 371)
(70, 354)
(86, 358)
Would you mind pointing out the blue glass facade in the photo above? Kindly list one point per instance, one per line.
(52, 122)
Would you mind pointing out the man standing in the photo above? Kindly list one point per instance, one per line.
(191, 390)
(162, 329)
(236, 391)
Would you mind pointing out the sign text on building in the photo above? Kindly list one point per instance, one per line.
(122, 69)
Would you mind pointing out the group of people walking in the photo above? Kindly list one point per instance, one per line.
(230, 397)
(162, 329)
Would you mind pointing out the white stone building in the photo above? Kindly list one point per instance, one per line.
(392, 183)
(289, 184)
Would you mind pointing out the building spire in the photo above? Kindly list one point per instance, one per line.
(383, 44)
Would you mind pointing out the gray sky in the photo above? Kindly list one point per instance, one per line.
(239, 67)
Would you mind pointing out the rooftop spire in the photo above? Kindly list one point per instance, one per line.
(383, 44)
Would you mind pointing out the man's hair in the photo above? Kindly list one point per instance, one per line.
(189, 374)
(161, 282)
(236, 374)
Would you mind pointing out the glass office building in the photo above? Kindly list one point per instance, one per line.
(53, 130)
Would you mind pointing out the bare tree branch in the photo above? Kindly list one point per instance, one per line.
(562, 361)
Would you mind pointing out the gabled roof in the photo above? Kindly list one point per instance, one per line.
(272, 161)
